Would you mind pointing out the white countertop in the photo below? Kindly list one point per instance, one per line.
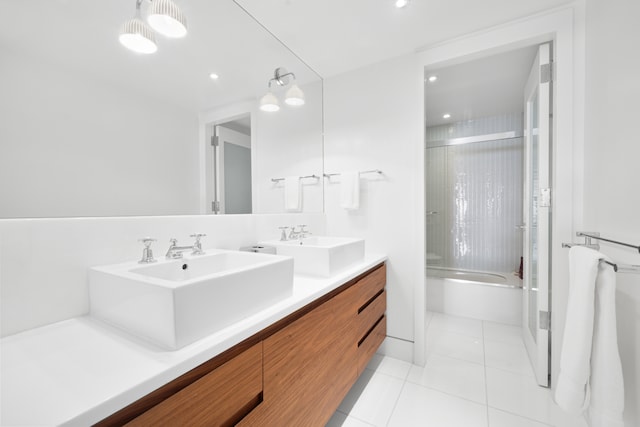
(79, 371)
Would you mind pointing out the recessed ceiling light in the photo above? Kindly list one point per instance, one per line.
(214, 76)
(401, 3)
(446, 116)
(433, 78)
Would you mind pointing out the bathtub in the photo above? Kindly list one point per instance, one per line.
(495, 297)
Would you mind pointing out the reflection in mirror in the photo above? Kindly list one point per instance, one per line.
(90, 128)
(229, 191)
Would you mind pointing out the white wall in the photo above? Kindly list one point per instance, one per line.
(44, 262)
(612, 164)
(373, 120)
(73, 145)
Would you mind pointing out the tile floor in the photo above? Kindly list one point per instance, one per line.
(477, 374)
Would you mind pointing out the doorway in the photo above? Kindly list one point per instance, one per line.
(228, 167)
(479, 196)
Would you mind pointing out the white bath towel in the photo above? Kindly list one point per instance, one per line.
(590, 375)
(292, 194)
(350, 190)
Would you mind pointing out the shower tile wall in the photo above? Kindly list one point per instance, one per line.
(476, 190)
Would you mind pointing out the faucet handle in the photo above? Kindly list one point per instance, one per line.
(197, 246)
(198, 236)
(147, 253)
(147, 241)
(283, 234)
(173, 241)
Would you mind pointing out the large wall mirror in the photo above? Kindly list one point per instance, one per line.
(90, 128)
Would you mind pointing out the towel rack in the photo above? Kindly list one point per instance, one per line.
(300, 177)
(597, 236)
(592, 235)
(378, 171)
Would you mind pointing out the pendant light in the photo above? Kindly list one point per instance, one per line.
(137, 36)
(166, 18)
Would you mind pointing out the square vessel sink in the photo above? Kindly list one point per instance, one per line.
(321, 256)
(173, 303)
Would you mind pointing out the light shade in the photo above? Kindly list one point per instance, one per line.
(166, 18)
(269, 103)
(294, 96)
(138, 37)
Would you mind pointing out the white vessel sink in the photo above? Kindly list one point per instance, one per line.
(173, 303)
(321, 255)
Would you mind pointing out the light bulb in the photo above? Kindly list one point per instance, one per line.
(166, 18)
(294, 96)
(138, 37)
(269, 103)
(401, 3)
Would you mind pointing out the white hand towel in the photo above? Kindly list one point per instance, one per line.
(590, 369)
(607, 384)
(292, 194)
(350, 190)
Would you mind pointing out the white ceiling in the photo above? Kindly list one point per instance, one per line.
(485, 87)
(81, 36)
(334, 36)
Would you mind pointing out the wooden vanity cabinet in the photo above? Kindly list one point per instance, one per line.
(310, 365)
(221, 398)
(294, 372)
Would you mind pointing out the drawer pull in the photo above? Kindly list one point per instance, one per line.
(370, 330)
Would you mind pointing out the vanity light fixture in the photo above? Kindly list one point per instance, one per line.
(446, 116)
(164, 17)
(214, 76)
(294, 95)
(401, 3)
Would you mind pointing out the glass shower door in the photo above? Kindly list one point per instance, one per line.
(536, 211)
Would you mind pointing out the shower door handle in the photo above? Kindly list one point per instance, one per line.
(521, 227)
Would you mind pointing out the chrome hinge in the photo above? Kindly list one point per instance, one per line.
(546, 73)
(214, 141)
(215, 206)
(545, 197)
(545, 320)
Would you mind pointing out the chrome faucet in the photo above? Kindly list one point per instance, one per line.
(301, 234)
(293, 234)
(175, 251)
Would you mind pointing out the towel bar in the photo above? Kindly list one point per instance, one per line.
(378, 171)
(622, 268)
(300, 177)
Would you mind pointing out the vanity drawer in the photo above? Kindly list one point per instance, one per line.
(368, 347)
(370, 285)
(370, 314)
(220, 398)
